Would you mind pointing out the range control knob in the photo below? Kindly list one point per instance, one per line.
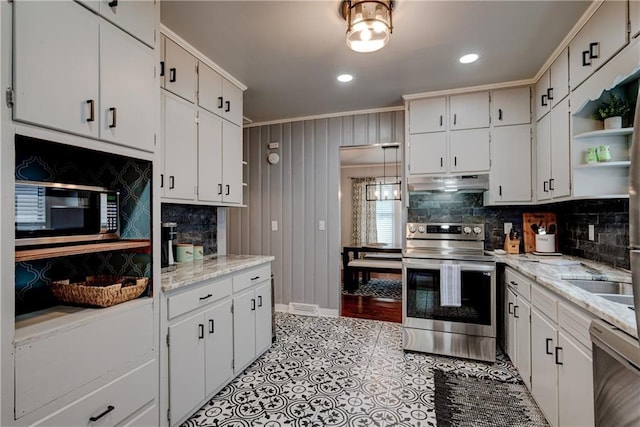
(477, 230)
(421, 229)
(467, 230)
(412, 228)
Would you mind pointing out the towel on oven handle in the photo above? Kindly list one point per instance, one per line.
(450, 292)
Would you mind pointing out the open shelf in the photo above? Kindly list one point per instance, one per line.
(617, 164)
(60, 251)
(604, 133)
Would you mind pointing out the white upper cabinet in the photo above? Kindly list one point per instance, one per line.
(511, 106)
(180, 149)
(599, 39)
(50, 36)
(553, 86)
(428, 153)
(107, 92)
(634, 17)
(127, 86)
(511, 164)
(136, 17)
(469, 111)
(427, 115)
(553, 154)
(218, 95)
(179, 69)
(469, 151)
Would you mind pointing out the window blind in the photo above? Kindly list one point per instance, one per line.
(30, 204)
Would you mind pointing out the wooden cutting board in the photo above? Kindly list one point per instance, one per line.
(538, 219)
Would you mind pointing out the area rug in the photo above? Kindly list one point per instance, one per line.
(379, 288)
(467, 401)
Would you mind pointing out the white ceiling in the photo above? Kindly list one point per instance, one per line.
(288, 53)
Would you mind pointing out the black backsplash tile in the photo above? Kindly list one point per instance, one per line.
(196, 224)
(610, 217)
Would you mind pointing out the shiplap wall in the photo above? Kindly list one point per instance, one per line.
(298, 192)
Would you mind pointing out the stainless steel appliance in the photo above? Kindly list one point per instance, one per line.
(169, 233)
(430, 324)
(616, 376)
(48, 213)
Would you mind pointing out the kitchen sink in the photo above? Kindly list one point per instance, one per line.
(621, 299)
(603, 286)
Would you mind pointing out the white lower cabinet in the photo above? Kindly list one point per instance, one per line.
(518, 324)
(575, 383)
(252, 324)
(544, 373)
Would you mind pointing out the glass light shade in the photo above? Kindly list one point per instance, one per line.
(369, 24)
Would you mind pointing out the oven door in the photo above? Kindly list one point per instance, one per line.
(421, 298)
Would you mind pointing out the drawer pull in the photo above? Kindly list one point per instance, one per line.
(172, 75)
(113, 112)
(109, 409)
(550, 94)
(500, 114)
(253, 304)
(549, 340)
(206, 297)
(161, 68)
(113, 3)
(558, 362)
(515, 313)
(586, 58)
(543, 100)
(514, 283)
(212, 327)
(510, 309)
(200, 331)
(259, 300)
(594, 50)
(92, 110)
(228, 105)
(255, 278)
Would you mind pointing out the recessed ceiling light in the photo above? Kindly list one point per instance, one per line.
(345, 78)
(468, 59)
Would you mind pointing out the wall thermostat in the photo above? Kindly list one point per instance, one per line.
(273, 158)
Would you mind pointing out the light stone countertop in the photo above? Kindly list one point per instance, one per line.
(551, 274)
(211, 267)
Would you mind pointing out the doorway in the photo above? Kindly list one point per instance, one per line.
(371, 232)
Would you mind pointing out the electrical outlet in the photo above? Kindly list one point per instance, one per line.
(592, 232)
(274, 225)
(273, 145)
(507, 227)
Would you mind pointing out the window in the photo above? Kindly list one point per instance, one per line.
(388, 219)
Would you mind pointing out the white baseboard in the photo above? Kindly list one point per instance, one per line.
(324, 312)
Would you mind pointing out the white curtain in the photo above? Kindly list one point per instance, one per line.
(364, 213)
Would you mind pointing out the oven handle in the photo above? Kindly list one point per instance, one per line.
(424, 264)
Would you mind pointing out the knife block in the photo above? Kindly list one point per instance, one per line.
(511, 246)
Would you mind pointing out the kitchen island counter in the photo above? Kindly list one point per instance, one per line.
(552, 273)
(211, 267)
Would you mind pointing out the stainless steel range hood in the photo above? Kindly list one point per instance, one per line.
(462, 183)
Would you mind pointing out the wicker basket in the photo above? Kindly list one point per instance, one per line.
(99, 291)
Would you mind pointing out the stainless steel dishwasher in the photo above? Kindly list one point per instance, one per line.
(616, 376)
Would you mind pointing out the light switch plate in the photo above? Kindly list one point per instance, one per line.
(273, 145)
(274, 225)
(321, 225)
(507, 227)
(592, 232)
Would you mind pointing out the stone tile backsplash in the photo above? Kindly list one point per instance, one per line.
(196, 224)
(610, 218)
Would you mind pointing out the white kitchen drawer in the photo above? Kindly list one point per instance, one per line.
(125, 395)
(518, 283)
(49, 368)
(199, 297)
(251, 277)
(147, 417)
(545, 301)
(576, 323)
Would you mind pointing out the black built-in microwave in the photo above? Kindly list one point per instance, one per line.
(53, 213)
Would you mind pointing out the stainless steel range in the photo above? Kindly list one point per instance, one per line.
(448, 291)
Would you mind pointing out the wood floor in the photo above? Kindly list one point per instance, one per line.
(385, 309)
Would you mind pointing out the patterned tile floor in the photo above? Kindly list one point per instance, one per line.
(338, 372)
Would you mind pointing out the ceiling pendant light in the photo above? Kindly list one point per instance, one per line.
(368, 23)
(384, 190)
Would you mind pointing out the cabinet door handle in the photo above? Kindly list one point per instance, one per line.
(551, 184)
(510, 309)
(106, 411)
(550, 94)
(228, 190)
(212, 327)
(549, 341)
(113, 3)
(253, 304)
(544, 187)
(455, 160)
(586, 58)
(543, 100)
(219, 189)
(558, 350)
(499, 190)
(440, 120)
(161, 68)
(92, 110)
(200, 331)
(172, 75)
(206, 297)
(500, 114)
(220, 102)
(515, 313)
(594, 50)
(259, 300)
(228, 105)
(514, 283)
(161, 180)
(114, 117)
(455, 119)
(171, 182)
(255, 278)
(441, 162)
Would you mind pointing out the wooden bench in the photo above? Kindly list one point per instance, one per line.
(380, 263)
